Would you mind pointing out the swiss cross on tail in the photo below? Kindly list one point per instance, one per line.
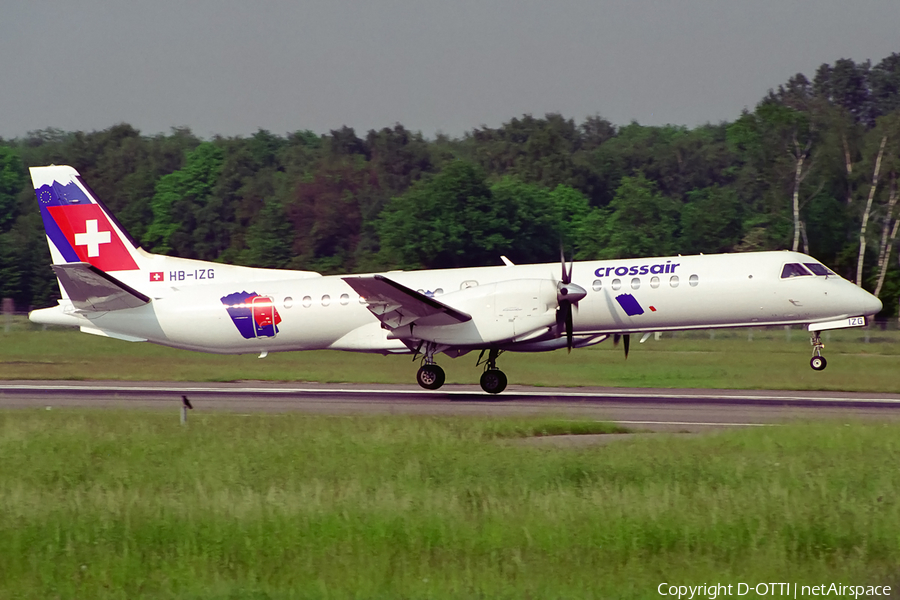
(89, 232)
(77, 226)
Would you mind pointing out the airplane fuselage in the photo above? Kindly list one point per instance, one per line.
(235, 310)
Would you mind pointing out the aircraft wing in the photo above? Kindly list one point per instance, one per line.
(90, 289)
(395, 305)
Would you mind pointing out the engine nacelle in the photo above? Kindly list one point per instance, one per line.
(513, 310)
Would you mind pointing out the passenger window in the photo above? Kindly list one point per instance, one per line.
(438, 291)
(326, 300)
(597, 285)
(673, 281)
(345, 299)
(307, 301)
(616, 284)
(288, 302)
(362, 300)
(468, 284)
(693, 280)
(818, 269)
(794, 270)
(654, 282)
(635, 283)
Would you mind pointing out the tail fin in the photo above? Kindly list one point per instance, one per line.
(79, 227)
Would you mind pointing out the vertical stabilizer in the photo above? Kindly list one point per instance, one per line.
(79, 227)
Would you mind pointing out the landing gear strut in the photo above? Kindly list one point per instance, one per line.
(817, 362)
(430, 376)
(493, 380)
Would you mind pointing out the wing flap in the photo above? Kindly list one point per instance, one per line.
(91, 289)
(396, 305)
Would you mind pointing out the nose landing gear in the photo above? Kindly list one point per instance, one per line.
(817, 362)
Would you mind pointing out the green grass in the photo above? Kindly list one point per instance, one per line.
(123, 504)
(684, 360)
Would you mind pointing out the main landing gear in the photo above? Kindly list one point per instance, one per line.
(493, 380)
(431, 377)
(817, 362)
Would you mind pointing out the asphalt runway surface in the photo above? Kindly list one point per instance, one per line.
(638, 408)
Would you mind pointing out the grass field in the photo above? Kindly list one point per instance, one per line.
(124, 504)
(774, 359)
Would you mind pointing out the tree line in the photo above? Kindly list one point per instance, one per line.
(813, 167)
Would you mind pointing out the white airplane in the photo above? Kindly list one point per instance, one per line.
(111, 287)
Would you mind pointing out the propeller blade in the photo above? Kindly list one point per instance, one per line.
(568, 295)
(566, 277)
(616, 339)
(627, 343)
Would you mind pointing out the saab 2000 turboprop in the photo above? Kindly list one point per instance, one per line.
(112, 287)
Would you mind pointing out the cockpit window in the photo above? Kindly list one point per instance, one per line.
(818, 269)
(794, 270)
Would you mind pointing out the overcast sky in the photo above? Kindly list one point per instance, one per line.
(230, 68)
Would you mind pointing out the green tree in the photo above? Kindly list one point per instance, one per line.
(885, 82)
(186, 216)
(640, 221)
(12, 180)
(846, 85)
(326, 213)
(269, 238)
(448, 220)
(570, 211)
(710, 221)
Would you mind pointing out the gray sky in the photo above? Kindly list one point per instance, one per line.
(228, 67)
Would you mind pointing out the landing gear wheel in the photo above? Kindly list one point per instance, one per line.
(818, 363)
(430, 377)
(493, 381)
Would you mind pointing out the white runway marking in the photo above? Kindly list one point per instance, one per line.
(692, 423)
(823, 397)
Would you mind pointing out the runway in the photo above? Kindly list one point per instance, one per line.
(638, 408)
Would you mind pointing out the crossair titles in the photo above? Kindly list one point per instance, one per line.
(658, 269)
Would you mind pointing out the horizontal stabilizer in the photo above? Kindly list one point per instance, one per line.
(90, 289)
(396, 305)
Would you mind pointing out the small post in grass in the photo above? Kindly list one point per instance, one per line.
(185, 405)
(9, 308)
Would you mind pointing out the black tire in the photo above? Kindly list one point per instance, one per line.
(493, 381)
(818, 363)
(431, 377)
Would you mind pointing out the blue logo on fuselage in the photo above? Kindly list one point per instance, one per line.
(658, 269)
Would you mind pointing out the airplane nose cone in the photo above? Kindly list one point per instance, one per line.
(871, 304)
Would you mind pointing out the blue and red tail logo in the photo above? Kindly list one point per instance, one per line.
(253, 315)
(80, 229)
